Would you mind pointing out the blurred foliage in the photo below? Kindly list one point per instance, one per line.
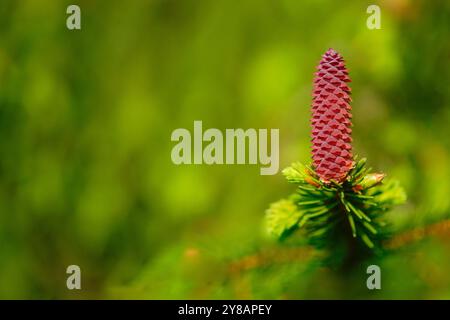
(85, 123)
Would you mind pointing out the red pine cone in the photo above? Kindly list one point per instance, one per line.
(331, 119)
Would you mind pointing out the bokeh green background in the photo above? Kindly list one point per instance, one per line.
(86, 117)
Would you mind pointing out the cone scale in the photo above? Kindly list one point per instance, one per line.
(331, 120)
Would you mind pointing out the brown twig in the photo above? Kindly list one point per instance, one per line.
(270, 257)
(441, 228)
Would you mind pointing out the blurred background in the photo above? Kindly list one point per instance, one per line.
(86, 117)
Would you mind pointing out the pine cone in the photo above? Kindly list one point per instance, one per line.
(331, 119)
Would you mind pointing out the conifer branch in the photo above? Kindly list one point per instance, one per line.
(338, 200)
